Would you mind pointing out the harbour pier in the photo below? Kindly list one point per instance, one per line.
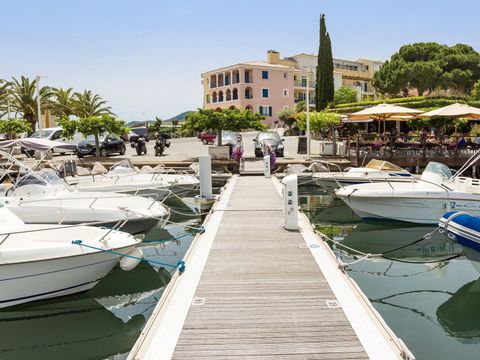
(252, 289)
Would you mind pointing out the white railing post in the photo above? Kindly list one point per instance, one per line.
(205, 163)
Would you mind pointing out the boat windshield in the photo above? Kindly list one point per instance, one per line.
(43, 177)
(437, 168)
(382, 165)
(124, 166)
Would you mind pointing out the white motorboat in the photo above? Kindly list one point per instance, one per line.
(374, 171)
(124, 178)
(421, 201)
(45, 261)
(43, 198)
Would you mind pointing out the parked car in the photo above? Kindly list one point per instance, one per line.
(207, 137)
(109, 144)
(268, 138)
(56, 134)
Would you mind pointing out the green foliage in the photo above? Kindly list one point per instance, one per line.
(24, 98)
(88, 105)
(324, 86)
(93, 125)
(318, 120)
(287, 116)
(63, 104)
(345, 95)
(12, 127)
(418, 102)
(156, 126)
(225, 119)
(301, 106)
(429, 66)
(475, 129)
(475, 93)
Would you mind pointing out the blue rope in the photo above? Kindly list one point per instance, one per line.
(180, 264)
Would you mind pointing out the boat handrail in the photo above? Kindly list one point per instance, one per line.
(95, 198)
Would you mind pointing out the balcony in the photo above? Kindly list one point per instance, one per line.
(311, 101)
(303, 83)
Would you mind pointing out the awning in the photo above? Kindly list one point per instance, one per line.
(42, 145)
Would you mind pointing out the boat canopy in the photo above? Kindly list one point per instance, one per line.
(382, 165)
(42, 145)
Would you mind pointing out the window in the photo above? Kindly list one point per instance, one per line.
(284, 75)
(285, 92)
(365, 87)
(265, 93)
(264, 74)
(265, 110)
(207, 99)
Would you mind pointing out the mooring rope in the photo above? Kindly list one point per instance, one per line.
(180, 265)
(365, 256)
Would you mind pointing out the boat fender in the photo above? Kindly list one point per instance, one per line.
(129, 263)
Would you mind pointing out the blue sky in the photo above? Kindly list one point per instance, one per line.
(146, 56)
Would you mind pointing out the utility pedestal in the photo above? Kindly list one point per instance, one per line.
(290, 198)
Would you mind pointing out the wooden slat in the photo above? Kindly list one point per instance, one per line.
(264, 295)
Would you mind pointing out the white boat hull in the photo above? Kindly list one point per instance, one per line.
(35, 280)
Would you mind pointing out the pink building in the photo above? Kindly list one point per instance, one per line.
(270, 86)
(259, 86)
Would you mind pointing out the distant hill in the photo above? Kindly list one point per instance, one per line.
(180, 117)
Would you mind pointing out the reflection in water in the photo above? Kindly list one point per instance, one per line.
(459, 315)
(105, 321)
(431, 305)
(108, 319)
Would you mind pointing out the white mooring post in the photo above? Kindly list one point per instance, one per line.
(266, 166)
(205, 163)
(290, 198)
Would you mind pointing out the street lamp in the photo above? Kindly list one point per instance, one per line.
(39, 109)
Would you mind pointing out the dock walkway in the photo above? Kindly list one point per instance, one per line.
(262, 293)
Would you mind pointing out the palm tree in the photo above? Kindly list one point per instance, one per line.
(87, 104)
(63, 104)
(3, 97)
(24, 98)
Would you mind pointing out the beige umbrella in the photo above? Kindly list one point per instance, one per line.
(385, 112)
(456, 110)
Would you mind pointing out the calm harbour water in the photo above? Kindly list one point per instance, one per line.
(432, 307)
(106, 321)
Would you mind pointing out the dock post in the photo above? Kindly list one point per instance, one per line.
(290, 202)
(266, 166)
(205, 163)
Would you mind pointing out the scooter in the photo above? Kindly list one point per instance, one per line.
(161, 143)
(140, 145)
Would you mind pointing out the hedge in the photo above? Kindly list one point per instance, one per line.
(418, 102)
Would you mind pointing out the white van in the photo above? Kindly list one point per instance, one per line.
(56, 134)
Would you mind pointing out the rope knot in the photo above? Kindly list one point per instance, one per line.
(200, 229)
(77, 242)
(181, 266)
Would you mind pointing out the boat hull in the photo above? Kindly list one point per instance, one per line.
(34, 280)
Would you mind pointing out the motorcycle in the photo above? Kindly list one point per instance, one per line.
(162, 141)
(140, 144)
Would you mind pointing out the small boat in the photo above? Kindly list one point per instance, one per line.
(374, 171)
(43, 198)
(462, 227)
(124, 178)
(420, 201)
(45, 261)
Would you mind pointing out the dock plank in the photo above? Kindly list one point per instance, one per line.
(264, 296)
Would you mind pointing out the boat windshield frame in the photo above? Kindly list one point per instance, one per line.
(383, 165)
(42, 177)
(438, 168)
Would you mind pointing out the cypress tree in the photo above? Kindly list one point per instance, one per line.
(324, 86)
(329, 84)
(319, 76)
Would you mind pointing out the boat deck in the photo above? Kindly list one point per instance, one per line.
(260, 291)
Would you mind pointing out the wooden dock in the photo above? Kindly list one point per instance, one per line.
(254, 290)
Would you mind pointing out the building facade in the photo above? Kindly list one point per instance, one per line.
(270, 86)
